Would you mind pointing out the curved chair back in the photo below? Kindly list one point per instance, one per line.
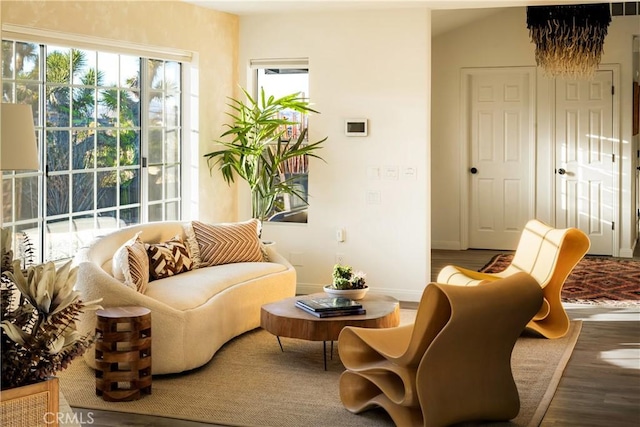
(549, 255)
(546, 253)
(465, 373)
(434, 311)
(460, 344)
(381, 364)
(406, 346)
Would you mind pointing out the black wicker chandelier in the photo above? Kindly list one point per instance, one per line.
(569, 39)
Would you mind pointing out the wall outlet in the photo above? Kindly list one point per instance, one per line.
(340, 258)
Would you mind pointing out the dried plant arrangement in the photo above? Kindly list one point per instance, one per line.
(39, 313)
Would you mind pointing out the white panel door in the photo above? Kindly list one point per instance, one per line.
(500, 173)
(584, 158)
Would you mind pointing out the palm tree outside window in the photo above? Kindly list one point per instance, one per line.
(109, 130)
(279, 81)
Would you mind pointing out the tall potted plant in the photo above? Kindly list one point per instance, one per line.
(38, 334)
(260, 147)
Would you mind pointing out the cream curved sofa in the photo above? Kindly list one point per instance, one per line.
(193, 313)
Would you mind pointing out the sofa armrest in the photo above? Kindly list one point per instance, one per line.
(93, 283)
(275, 256)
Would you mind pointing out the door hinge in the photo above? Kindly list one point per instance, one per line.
(613, 90)
(613, 226)
(144, 162)
(613, 158)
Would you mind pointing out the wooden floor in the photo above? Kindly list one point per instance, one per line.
(599, 388)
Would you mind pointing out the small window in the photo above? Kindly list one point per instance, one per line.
(280, 81)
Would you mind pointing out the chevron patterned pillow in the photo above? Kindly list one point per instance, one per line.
(227, 243)
(168, 258)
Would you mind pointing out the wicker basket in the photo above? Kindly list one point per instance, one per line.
(30, 405)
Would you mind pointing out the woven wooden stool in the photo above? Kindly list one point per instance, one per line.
(123, 353)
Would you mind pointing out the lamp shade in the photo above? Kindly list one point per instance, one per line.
(18, 149)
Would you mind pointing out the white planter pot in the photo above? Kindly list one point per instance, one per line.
(347, 293)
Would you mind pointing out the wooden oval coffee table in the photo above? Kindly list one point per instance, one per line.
(283, 319)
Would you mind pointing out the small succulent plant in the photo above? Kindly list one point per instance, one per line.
(345, 278)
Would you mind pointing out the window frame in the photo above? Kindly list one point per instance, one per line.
(46, 38)
(297, 206)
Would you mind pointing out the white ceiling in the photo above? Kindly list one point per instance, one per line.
(447, 15)
(251, 7)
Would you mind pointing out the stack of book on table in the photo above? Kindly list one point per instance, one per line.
(330, 306)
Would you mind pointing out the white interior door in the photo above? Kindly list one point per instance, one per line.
(500, 172)
(584, 158)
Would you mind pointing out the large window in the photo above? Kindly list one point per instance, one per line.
(279, 81)
(109, 133)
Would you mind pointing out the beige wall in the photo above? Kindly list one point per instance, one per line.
(372, 64)
(210, 35)
(363, 64)
(502, 40)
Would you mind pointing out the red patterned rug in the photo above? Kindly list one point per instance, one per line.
(595, 280)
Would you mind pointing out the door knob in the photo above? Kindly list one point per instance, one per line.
(562, 171)
(473, 170)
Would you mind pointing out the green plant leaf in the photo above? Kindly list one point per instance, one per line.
(254, 147)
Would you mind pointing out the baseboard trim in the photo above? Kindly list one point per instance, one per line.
(626, 253)
(446, 245)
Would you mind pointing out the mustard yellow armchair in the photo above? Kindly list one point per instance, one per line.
(549, 255)
(452, 364)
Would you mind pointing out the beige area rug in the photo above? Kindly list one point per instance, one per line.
(250, 382)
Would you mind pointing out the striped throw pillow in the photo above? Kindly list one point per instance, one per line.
(131, 264)
(138, 265)
(168, 258)
(227, 243)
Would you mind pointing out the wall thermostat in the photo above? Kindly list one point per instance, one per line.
(355, 127)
